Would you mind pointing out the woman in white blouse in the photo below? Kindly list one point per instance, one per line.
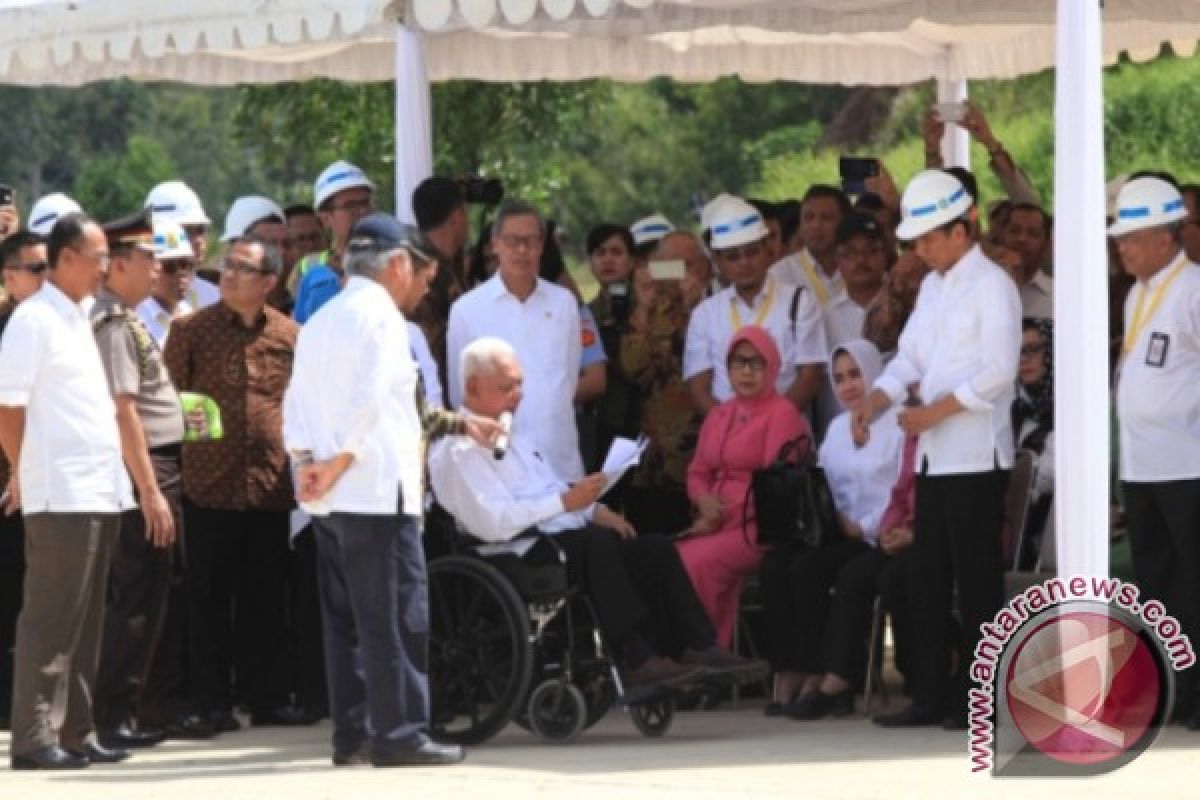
(816, 639)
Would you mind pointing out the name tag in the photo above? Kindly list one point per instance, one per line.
(1156, 350)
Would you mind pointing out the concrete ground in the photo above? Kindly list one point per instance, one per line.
(728, 753)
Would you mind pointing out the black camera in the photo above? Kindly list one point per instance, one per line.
(619, 302)
(481, 191)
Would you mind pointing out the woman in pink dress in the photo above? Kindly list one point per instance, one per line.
(739, 436)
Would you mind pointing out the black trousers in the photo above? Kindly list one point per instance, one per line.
(1164, 531)
(167, 691)
(957, 543)
(642, 594)
(139, 581)
(12, 582)
(658, 510)
(304, 624)
(893, 582)
(375, 612)
(802, 616)
(236, 615)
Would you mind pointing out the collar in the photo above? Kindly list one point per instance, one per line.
(64, 305)
(235, 319)
(1041, 281)
(357, 284)
(495, 288)
(965, 267)
(758, 298)
(109, 297)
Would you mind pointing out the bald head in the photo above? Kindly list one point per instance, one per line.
(685, 247)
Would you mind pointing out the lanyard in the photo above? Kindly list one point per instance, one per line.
(1139, 321)
(735, 316)
(810, 269)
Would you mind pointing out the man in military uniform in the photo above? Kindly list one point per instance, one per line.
(151, 426)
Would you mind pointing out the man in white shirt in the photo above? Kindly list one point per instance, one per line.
(788, 312)
(1158, 409)
(503, 500)
(58, 426)
(815, 266)
(961, 346)
(351, 426)
(1027, 231)
(167, 300)
(540, 321)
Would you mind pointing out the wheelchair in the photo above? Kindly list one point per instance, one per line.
(511, 641)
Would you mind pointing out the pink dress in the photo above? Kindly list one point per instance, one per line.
(738, 437)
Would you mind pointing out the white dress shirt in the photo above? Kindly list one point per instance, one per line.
(158, 320)
(202, 293)
(1037, 297)
(353, 389)
(421, 354)
(963, 338)
(801, 269)
(713, 324)
(71, 450)
(496, 499)
(861, 478)
(1158, 391)
(546, 334)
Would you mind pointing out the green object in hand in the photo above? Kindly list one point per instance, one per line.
(201, 417)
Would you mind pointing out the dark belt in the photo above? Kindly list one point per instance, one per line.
(174, 450)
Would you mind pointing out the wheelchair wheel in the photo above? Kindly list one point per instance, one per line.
(480, 657)
(654, 715)
(598, 691)
(556, 713)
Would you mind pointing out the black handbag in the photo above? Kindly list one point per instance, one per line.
(792, 501)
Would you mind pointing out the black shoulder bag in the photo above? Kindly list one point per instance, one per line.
(792, 501)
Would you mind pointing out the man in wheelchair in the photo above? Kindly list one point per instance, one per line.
(644, 600)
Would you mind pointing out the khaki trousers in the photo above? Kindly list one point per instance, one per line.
(58, 631)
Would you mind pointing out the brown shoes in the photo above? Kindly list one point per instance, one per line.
(718, 660)
(657, 671)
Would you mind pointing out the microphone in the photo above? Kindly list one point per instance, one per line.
(500, 446)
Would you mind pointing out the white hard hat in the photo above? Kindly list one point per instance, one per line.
(337, 177)
(932, 198)
(175, 201)
(650, 229)
(706, 213)
(246, 212)
(170, 240)
(1147, 203)
(736, 222)
(48, 209)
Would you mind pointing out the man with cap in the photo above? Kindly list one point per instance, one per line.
(168, 298)
(342, 195)
(23, 267)
(352, 429)
(1158, 409)
(815, 267)
(961, 347)
(174, 201)
(48, 209)
(150, 420)
(238, 489)
(58, 424)
(790, 313)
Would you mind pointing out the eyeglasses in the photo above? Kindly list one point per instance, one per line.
(1032, 349)
(171, 267)
(360, 204)
(752, 250)
(514, 242)
(242, 268)
(101, 258)
(33, 267)
(748, 363)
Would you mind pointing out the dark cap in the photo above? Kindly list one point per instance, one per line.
(382, 232)
(858, 225)
(135, 229)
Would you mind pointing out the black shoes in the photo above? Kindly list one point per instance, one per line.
(818, 704)
(283, 716)
(52, 757)
(99, 754)
(126, 736)
(915, 716)
(430, 754)
(189, 727)
(224, 722)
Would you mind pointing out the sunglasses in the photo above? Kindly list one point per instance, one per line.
(33, 267)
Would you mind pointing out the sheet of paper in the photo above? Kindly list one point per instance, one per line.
(622, 455)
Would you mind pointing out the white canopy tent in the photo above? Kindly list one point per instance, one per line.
(881, 42)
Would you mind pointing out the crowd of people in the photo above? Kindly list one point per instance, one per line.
(216, 469)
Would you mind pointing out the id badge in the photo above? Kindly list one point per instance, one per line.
(1156, 350)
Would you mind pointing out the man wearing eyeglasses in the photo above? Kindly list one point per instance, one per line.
(58, 424)
(23, 265)
(237, 489)
(789, 313)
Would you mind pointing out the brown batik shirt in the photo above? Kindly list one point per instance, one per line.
(245, 370)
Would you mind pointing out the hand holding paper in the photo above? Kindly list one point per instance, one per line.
(623, 454)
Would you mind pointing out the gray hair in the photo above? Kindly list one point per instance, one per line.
(272, 260)
(367, 262)
(482, 356)
(517, 208)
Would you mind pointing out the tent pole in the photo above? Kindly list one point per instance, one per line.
(414, 123)
(956, 142)
(1081, 384)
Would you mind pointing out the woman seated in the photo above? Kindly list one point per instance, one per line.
(741, 435)
(817, 641)
(1033, 426)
